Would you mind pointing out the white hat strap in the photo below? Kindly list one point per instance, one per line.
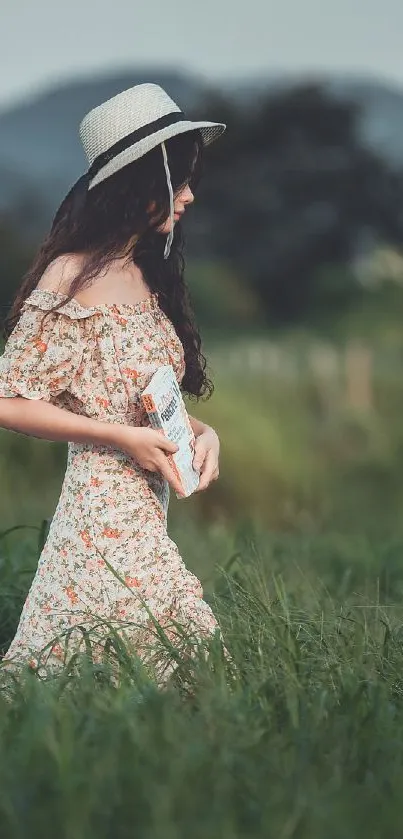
(168, 242)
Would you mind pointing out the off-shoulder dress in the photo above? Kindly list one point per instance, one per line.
(111, 515)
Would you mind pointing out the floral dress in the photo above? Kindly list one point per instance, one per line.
(108, 561)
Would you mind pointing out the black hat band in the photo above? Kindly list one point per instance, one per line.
(130, 139)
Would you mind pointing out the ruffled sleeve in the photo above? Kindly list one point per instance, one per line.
(43, 354)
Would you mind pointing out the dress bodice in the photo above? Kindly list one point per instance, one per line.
(93, 360)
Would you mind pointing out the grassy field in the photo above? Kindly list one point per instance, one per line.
(298, 736)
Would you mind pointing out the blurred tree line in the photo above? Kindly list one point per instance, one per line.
(290, 197)
(293, 196)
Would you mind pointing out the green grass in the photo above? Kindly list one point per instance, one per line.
(300, 735)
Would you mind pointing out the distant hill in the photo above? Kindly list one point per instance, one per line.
(39, 145)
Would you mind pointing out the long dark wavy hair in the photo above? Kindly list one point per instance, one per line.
(116, 212)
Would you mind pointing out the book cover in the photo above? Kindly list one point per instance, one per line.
(166, 410)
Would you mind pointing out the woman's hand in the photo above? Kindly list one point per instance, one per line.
(149, 448)
(207, 451)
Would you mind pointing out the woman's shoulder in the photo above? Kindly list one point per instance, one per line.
(53, 290)
(60, 273)
(116, 285)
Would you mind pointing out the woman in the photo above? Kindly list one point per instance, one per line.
(104, 305)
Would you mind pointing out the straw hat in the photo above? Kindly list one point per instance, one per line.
(130, 124)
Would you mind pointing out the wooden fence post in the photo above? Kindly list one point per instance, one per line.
(359, 376)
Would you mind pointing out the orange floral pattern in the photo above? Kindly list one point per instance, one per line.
(108, 554)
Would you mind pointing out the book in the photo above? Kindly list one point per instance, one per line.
(166, 410)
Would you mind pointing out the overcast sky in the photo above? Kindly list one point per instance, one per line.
(42, 41)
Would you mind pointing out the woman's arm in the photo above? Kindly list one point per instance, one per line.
(38, 418)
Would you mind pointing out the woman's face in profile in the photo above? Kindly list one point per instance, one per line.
(181, 200)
